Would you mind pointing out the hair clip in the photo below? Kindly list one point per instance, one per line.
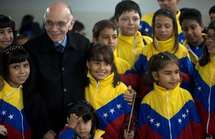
(11, 49)
(162, 57)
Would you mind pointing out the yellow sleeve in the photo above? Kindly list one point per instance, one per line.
(147, 39)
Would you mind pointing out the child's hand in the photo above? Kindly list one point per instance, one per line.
(49, 135)
(128, 135)
(128, 96)
(73, 120)
(3, 130)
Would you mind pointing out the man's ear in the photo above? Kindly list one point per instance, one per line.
(71, 25)
(155, 76)
(67, 119)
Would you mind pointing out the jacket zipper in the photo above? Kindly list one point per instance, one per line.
(169, 122)
(22, 121)
(209, 106)
(209, 109)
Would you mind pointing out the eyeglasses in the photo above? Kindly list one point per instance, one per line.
(59, 24)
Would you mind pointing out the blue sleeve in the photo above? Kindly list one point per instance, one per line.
(181, 38)
(186, 68)
(145, 28)
(141, 65)
(67, 133)
(186, 65)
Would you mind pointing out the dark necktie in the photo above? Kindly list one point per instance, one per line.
(59, 48)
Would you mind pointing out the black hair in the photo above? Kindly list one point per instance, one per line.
(104, 53)
(10, 55)
(27, 19)
(159, 61)
(29, 27)
(78, 26)
(212, 10)
(125, 6)
(205, 59)
(191, 14)
(6, 21)
(101, 25)
(85, 110)
(211, 25)
(169, 14)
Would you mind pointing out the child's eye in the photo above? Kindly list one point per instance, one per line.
(106, 64)
(124, 19)
(10, 31)
(167, 73)
(96, 63)
(114, 36)
(168, 26)
(135, 19)
(158, 26)
(26, 65)
(178, 71)
(15, 67)
(105, 37)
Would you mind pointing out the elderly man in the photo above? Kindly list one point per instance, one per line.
(58, 64)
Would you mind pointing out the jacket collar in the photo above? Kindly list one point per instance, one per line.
(104, 82)
(49, 44)
(167, 45)
(164, 92)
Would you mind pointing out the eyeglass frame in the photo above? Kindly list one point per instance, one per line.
(59, 24)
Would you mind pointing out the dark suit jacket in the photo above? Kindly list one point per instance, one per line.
(56, 80)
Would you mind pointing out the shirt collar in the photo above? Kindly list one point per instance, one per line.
(63, 42)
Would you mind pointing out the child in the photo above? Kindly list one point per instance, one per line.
(105, 92)
(164, 40)
(212, 13)
(192, 26)
(204, 79)
(146, 20)
(7, 31)
(105, 33)
(78, 27)
(130, 41)
(81, 122)
(16, 70)
(168, 111)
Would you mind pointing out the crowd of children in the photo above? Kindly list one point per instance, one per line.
(149, 77)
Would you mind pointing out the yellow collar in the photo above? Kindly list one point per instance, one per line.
(132, 40)
(167, 45)
(107, 80)
(163, 91)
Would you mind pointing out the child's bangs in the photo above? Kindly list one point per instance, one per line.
(87, 117)
(18, 56)
(102, 57)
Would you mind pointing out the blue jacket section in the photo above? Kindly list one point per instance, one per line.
(67, 133)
